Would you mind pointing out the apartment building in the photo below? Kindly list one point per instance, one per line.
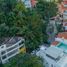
(10, 47)
(56, 54)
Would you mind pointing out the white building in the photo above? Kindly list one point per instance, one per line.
(56, 54)
(53, 57)
(11, 47)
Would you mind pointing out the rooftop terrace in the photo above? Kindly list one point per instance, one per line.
(54, 52)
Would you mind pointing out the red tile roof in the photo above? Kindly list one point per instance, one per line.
(54, 43)
(62, 35)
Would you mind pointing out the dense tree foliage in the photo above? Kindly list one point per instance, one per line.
(18, 20)
(46, 9)
(1, 65)
(25, 60)
(15, 19)
(31, 24)
(59, 28)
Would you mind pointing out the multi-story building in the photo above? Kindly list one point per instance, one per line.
(11, 47)
(63, 11)
(56, 54)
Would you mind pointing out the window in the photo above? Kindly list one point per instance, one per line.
(3, 52)
(21, 43)
(4, 57)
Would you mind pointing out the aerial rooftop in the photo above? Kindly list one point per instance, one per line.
(62, 35)
(54, 52)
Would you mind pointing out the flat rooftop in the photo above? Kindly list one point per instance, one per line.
(54, 52)
(63, 61)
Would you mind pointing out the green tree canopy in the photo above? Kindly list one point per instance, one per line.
(15, 19)
(46, 9)
(25, 60)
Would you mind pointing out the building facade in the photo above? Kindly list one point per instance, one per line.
(29, 3)
(56, 54)
(11, 47)
(63, 11)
